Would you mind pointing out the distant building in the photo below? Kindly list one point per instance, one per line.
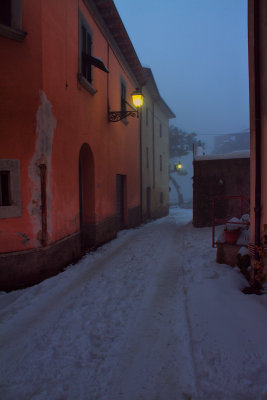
(154, 151)
(231, 142)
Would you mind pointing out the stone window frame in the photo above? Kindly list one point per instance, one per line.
(13, 30)
(14, 209)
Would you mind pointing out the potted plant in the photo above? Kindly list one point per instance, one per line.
(232, 230)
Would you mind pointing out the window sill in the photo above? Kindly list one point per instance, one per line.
(12, 33)
(87, 85)
(10, 211)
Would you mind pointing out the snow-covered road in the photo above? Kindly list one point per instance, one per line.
(149, 316)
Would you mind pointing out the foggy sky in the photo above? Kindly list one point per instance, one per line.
(197, 50)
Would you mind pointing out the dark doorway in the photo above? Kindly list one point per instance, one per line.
(86, 197)
(120, 200)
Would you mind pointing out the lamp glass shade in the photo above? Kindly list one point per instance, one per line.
(179, 165)
(138, 99)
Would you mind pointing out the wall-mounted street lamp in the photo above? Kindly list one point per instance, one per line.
(137, 99)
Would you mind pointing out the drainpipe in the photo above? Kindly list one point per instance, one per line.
(257, 125)
(43, 176)
(141, 166)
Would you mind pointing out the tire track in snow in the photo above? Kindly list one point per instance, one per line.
(159, 337)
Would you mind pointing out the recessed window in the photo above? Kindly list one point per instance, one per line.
(5, 12)
(10, 192)
(86, 59)
(5, 198)
(86, 54)
(85, 75)
(11, 19)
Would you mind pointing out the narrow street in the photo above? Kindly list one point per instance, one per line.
(149, 316)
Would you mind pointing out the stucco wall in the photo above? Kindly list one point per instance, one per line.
(46, 115)
(155, 145)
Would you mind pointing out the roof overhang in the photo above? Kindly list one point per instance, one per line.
(154, 92)
(112, 20)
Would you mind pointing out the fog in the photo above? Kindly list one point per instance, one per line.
(197, 51)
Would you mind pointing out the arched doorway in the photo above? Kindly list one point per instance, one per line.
(87, 197)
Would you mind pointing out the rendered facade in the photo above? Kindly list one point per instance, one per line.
(155, 151)
(69, 177)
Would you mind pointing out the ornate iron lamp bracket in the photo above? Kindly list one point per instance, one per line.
(115, 116)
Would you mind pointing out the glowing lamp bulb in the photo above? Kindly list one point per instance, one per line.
(137, 98)
(179, 166)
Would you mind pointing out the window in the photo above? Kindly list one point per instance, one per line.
(10, 194)
(160, 162)
(11, 19)
(85, 75)
(147, 158)
(86, 59)
(86, 54)
(5, 12)
(161, 197)
(160, 130)
(5, 199)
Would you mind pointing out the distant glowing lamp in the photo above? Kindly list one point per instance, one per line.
(179, 166)
(137, 98)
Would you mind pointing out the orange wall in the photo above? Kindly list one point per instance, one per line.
(55, 115)
(21, 79)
